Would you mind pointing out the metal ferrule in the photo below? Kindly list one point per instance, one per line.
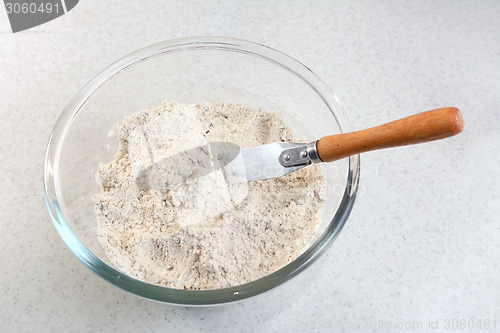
(312, 151)
(300, 155)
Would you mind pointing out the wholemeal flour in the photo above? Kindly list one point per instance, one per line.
(166, 216)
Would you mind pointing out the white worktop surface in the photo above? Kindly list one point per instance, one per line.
(422, 242)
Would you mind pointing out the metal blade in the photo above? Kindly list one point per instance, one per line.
(256, 163)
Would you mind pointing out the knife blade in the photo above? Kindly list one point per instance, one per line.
(267, 161)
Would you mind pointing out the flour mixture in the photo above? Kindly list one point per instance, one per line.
(166, 216)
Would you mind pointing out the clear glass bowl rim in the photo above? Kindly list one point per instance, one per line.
(195, 297)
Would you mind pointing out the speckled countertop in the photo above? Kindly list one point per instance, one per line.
(422, 244)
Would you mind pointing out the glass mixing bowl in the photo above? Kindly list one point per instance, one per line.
(189, 70)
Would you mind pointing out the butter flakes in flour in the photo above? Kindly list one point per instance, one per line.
(166, 216)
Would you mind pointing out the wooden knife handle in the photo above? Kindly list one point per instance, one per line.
(422, 127)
